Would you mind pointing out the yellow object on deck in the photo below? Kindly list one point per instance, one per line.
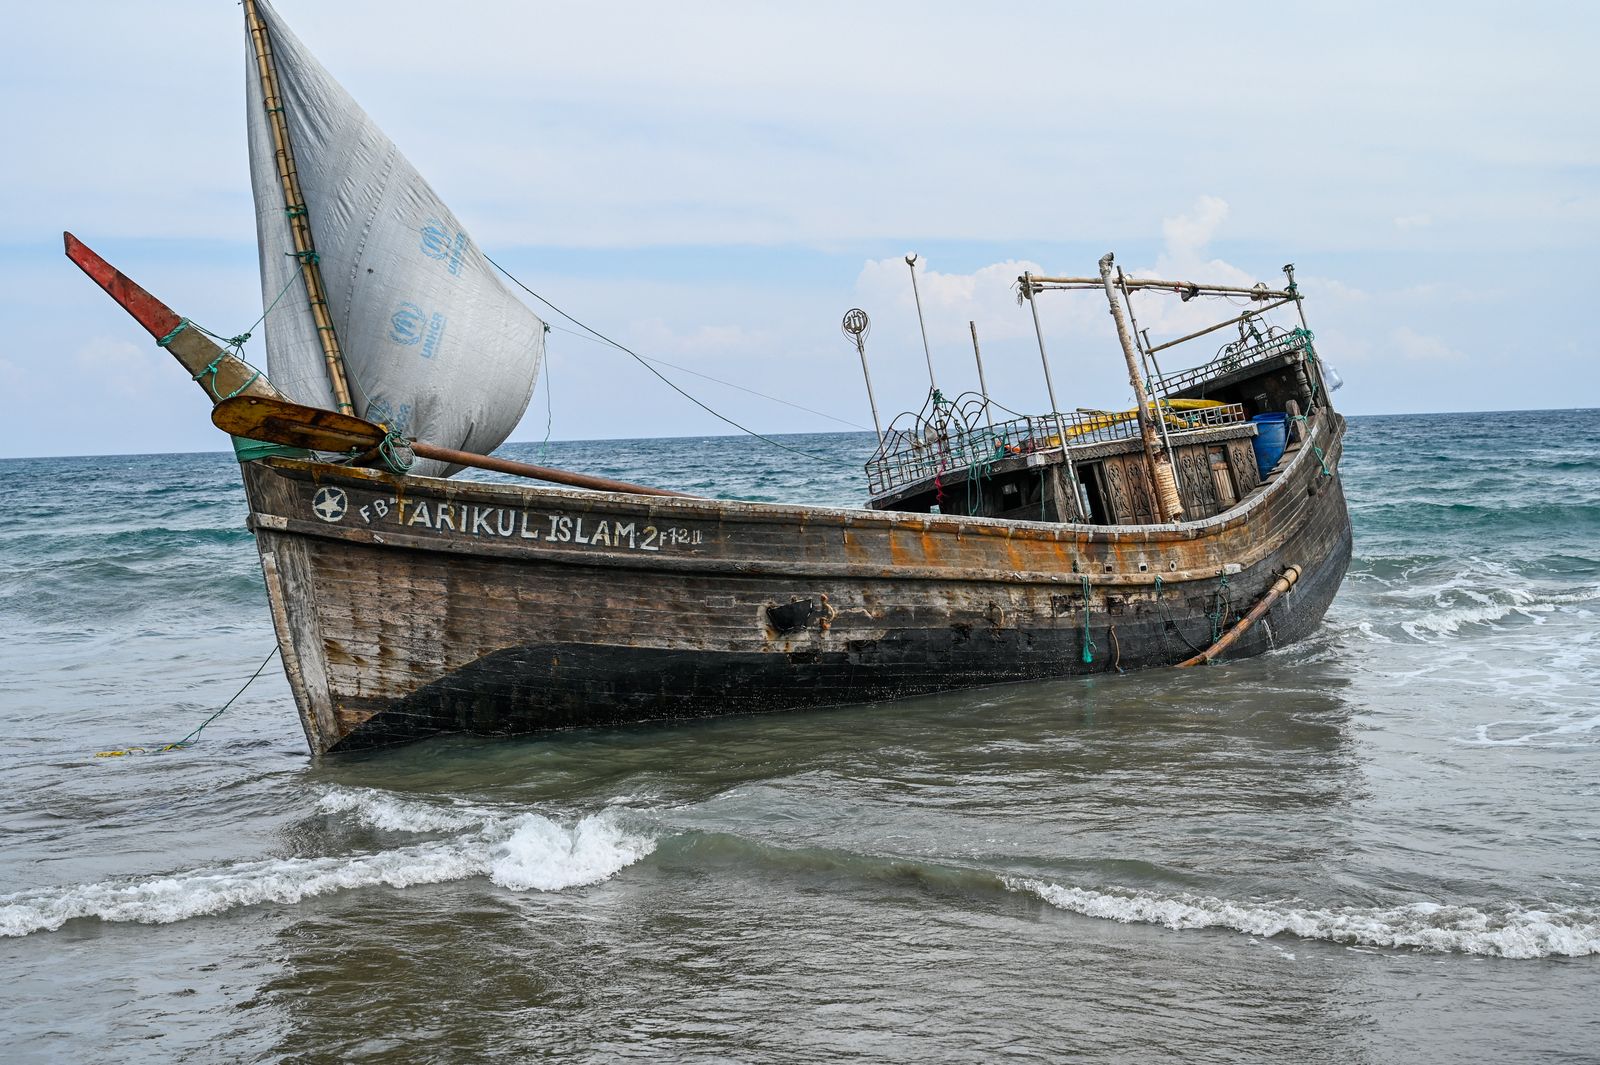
(1106, 419)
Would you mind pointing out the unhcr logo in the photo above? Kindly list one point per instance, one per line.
(411, 325)
(446, 245)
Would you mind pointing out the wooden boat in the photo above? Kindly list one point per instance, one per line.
(408, 605)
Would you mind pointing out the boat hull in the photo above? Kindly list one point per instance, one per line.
(407, 607)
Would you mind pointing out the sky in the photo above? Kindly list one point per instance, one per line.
(715, 184)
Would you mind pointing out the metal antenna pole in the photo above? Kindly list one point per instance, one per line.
(911, 261)
(1050, 390)
(856, 326)
(983, 386)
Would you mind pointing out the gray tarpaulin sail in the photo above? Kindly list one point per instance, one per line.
(434, 344)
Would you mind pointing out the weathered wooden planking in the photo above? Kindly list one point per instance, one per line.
(412, 606)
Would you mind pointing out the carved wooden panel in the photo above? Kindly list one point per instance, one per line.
(1114, 486)
(1199, 493)
(1140, 491)
(1242, 461)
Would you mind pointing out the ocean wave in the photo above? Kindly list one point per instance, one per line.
(1487, 607)
(1512, 932)
(388, 812)
(522, 852)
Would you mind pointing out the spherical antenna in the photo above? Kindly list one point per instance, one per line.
(856, 324)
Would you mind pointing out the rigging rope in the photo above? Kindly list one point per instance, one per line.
(642, 361)
(233, 345)
(549, 410)
(194, 737)
(728, 384)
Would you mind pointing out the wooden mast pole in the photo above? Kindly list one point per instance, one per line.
(1161, 475)
(294, 206)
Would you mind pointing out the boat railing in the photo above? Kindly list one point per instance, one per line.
(1256, 347)
(909, 455)
(923, 451)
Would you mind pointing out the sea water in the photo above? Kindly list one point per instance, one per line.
(1382, 844)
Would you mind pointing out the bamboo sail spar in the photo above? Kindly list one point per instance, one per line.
(431, 343)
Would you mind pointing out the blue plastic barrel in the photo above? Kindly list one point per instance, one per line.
(1272, 436)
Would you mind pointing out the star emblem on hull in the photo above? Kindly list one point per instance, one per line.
(329, 504)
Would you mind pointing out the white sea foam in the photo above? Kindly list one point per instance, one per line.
(1447, 618)
(521, 852)
(1513, 933)
(391, 813)
(543, 856)
(1535, 733)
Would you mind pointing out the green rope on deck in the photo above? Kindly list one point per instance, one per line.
(1088, 641)
(1323, 460)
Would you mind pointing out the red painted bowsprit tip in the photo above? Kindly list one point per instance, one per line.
(148, 311)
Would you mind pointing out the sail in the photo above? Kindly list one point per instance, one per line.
(434, 344)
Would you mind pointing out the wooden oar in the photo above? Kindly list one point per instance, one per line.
(278, 421)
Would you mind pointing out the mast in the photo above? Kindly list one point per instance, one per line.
(294, 206)
(1161, 476)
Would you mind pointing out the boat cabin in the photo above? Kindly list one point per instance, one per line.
(1219, 427)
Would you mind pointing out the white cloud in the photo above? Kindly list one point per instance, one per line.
(987, 296)
(1410, 344)
(115, 366)
(1413, 221)
(658, 337)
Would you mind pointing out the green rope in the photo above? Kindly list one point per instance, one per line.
(1218, 613)
(232, 347)
(390, 451)
(1323, 460)
(183, 323)
(1305, 337)
(1088, 641)
(977, 470)
(194, 737)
